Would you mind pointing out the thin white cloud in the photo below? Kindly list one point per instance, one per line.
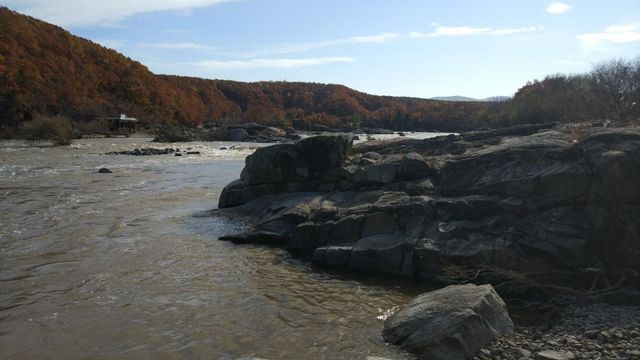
(469, 30)
(458, 30)
(88, 13)
(176, 31)
(178, 46)
(383, 38)
(450, 31)
(612, 34)
(289, 48)
(380, 38)
(516, 30)
(558, 8)
(300, 47)
(268, 63)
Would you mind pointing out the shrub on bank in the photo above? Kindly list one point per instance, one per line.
(55, 128)
(93, 127)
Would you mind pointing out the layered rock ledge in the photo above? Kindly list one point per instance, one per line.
(530, 198)
(540, 211)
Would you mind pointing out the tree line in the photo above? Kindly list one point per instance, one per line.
(47, 72)
(609, 93)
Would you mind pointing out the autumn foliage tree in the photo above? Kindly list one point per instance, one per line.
(610, 93)
(45, 70)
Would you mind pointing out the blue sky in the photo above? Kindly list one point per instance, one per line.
(476, 48)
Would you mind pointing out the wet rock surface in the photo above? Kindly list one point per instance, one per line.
(452, 323)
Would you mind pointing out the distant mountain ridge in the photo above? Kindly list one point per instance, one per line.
(465, 98)
(46, 70)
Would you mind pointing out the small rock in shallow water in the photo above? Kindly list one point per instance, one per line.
(104, 171)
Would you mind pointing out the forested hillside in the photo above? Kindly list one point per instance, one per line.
(45, 70)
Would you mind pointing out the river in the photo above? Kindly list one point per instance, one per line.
(128, 266)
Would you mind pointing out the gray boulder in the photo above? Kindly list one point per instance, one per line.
(274, 132)
(297, 167)
(236, 135)
(303, 160)
(452, 323)
(237, 193)
(375, 174)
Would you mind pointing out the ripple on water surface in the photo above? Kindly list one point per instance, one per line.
(124, 265)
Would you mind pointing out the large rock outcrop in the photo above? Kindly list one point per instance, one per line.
(281, 168)
(452, 323)
(529, 198)
(303, 160)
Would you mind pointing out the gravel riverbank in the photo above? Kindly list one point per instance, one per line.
(594, 332)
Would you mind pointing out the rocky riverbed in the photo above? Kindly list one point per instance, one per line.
(259, 133)
(594, 332)
(249, 132)
(545, 213)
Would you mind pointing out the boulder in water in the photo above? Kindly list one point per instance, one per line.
(452, 323)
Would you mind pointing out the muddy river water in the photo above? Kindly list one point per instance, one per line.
(128, 266)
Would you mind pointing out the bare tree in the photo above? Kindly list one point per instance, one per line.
(617, 90)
